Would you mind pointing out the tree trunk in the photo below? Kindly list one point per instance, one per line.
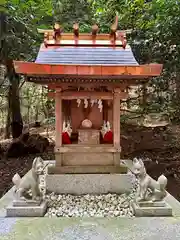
(177, 98)
(2, 32)
(16, 123)
(144, 99)
(177, 79)
(14, 102)
(8, 119)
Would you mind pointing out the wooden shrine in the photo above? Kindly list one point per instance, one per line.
(87, 75)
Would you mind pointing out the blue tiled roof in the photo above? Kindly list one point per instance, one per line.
(87, 55)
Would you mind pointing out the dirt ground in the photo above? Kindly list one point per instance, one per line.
(158, 146)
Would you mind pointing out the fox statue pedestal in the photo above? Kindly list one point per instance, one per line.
(24, 204)
(26, 209)
(150, 196)
(152, 209)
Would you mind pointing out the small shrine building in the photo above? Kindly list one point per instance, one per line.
(87, 75)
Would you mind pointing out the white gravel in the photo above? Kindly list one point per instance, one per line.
(105, 205)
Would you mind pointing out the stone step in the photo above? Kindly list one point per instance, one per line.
(86, 169)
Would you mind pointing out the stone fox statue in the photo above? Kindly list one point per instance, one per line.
(29, 181)
(148, 189)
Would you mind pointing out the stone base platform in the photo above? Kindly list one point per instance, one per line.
(152, 209)
(79, 184)
(22, 209)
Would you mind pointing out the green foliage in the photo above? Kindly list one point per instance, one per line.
(35, 105)
(69, 12)
(23, 18)
(155, 36)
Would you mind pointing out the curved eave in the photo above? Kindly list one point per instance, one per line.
(138, 71)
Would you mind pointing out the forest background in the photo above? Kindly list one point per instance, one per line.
(155, 37)
(151, 114)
